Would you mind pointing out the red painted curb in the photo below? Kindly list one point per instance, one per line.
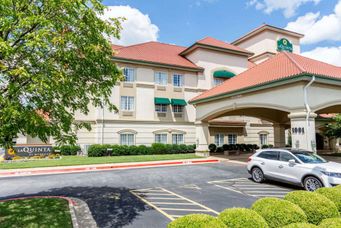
(109, 167)
(70, 201)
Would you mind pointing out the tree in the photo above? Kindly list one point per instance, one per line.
(55, 59)
(333, 129)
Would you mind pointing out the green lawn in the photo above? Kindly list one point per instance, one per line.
(35, 213)
(79, 160)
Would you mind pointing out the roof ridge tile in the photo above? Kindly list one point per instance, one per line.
(301, 68)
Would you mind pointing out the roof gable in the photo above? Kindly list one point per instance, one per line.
(282, 66)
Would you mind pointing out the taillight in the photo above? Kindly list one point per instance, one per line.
(249, 159)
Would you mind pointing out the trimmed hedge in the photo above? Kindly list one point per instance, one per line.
(300, 225)
(242, 217)
(97, 150)
(197, 221)
(316, 206)
(278, 212)
(68, 149)
(230, 147)
(331, 223)
(334, 194)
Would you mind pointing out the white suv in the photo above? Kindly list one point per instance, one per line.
(297, 167)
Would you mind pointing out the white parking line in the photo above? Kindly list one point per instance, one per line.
(171, 204)
(248, 187)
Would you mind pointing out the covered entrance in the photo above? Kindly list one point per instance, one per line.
(287, 90)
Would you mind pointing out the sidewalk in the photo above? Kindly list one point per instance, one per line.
(101, 167)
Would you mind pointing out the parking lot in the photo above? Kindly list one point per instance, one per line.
(150, 197)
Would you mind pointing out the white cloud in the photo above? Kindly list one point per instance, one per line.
(330, 55)
(288, 7)
(316, 28)
(137, 28)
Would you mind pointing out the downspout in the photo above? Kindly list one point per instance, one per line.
(102, 130)
(305, 90)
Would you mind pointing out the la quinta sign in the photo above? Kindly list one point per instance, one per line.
(284, 45)
(32, 150)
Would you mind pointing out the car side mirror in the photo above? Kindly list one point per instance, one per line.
(292, 162)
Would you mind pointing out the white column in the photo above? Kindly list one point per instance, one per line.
(303, 130)
(202, 136)
(279, 135)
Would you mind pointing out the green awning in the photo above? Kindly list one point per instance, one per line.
(161, 100)
(223, 74)
(179, 102)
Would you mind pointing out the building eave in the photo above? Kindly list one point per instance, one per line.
(214, 48)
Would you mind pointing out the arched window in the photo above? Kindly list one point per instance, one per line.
(219, 76)
(127, 137)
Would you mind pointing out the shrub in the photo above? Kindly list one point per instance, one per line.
(331, 223)
(69, 150)
(300, 225)
(242, 217)
(196, 221)
(334, 194)
(265, 146)
(212, 147)
(278, 212)
(226, 147)
(316, 206)
(220, 150)
(97, 150)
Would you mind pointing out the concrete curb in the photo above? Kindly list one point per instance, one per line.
(91, 168)
(71, 202)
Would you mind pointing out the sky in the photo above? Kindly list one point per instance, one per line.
(182, 22)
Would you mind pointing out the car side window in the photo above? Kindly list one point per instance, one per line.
(270, 155)
(284, 156)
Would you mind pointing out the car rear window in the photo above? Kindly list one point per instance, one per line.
(270, 155)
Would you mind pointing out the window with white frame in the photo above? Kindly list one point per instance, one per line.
(232, 139)
(127, 139)
(177, 138)
(161, 108)
(263, 138)
(178, 108)
(218, 81)
(161, 78)
(129, 74)
(127, 103)
(177, 80)
(161, 138)
(219, 139)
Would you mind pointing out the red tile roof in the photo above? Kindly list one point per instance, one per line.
(157, 53)
(281, 66)
(221, 44)
(115, 46)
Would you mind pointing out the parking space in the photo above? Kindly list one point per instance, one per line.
(246, 186)
(170, 204)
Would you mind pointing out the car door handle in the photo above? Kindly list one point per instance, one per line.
(262, 163)
(280, 166)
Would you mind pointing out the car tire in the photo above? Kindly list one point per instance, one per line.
(312, 183)
(257, 175)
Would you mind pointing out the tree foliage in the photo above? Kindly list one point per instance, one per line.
(333, 129)
(55, 60)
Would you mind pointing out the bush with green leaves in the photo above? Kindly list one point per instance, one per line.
(242, 217)
(334, 194)
(212, 147)
(331, 223)
(316, 206)
(278, 212)
(300, 225)
(68, 149)
(197, 221)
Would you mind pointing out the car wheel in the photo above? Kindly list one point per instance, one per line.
(257, 175)
(312, 183)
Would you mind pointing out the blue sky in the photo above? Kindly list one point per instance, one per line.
(182, 22)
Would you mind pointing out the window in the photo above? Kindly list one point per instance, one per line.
(177, 108)
(161, 138)
(308, 157)
(177, 138)
(129, 74)
(271, 155)
(263, 138)
(232, 138)
(218, 81)
(127, 103)
(127, 139)
(161, 78)
(219, 139)
(283, 156)
(177, 80)
(160, 108)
